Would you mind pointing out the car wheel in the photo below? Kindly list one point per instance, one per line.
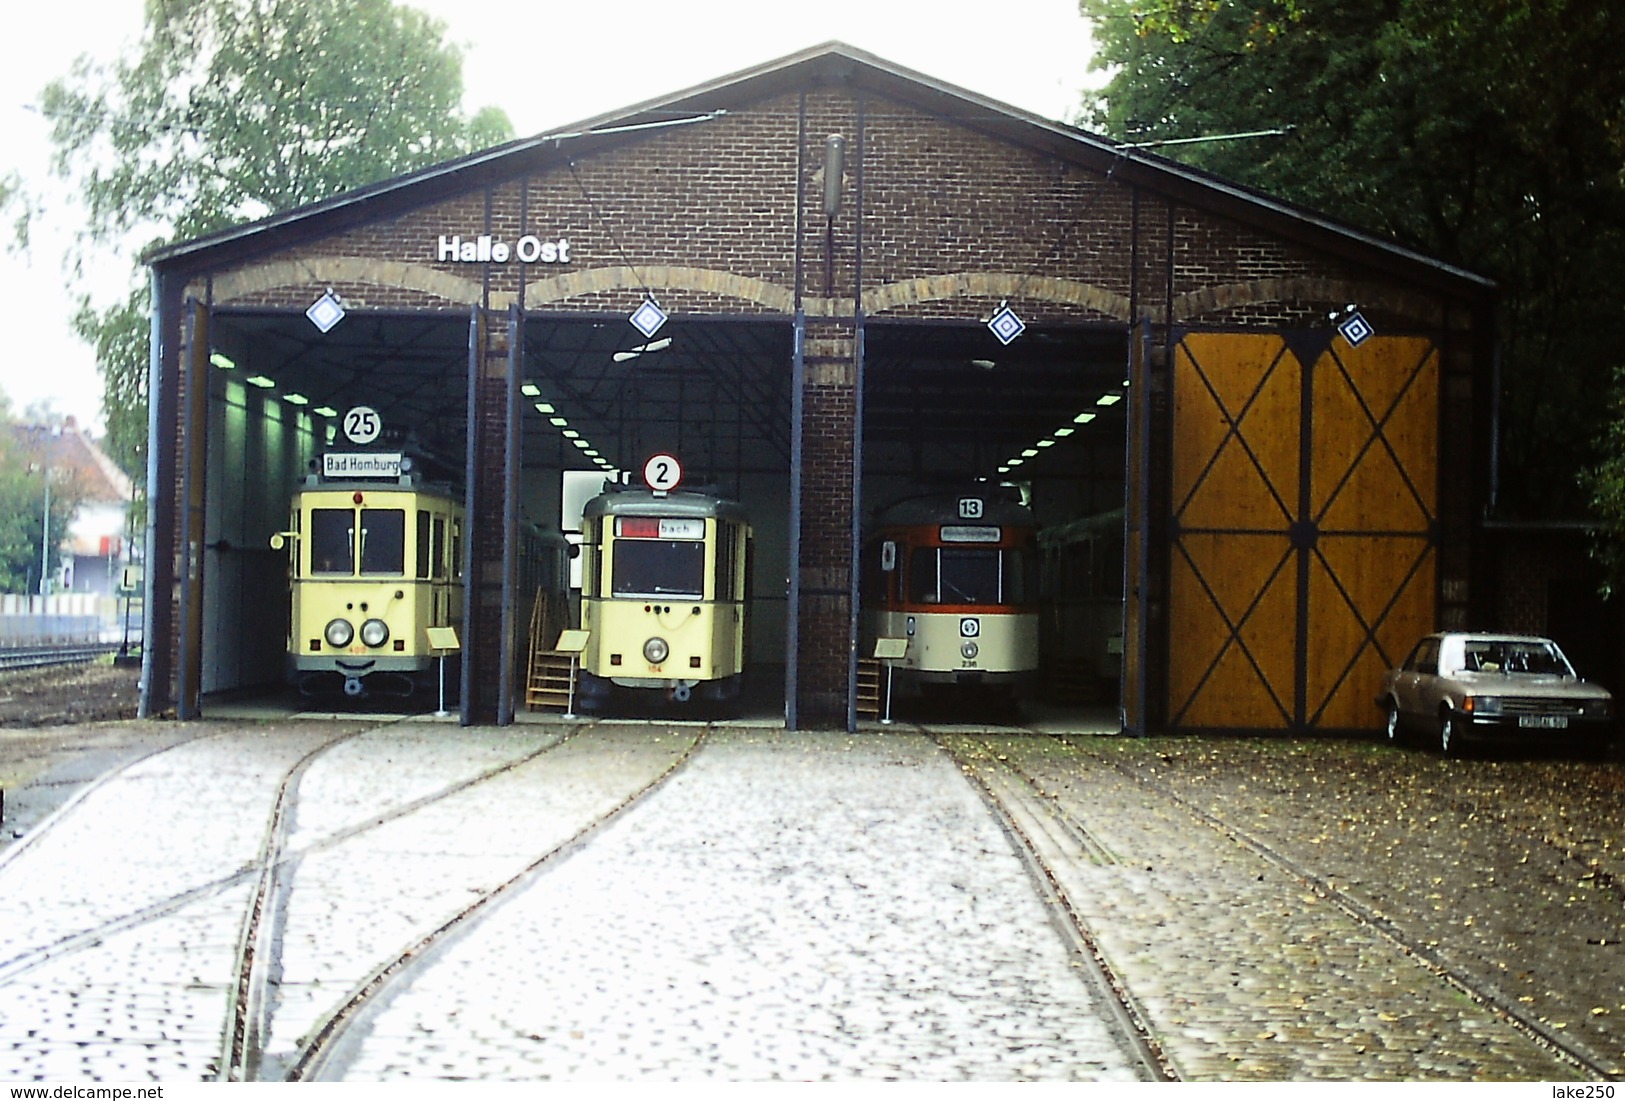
(1393, 723)
(1449, 735)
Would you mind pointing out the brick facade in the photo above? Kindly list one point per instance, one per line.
(943, 215)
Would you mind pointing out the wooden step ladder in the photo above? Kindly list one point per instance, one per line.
(549, 685)
(871, 680)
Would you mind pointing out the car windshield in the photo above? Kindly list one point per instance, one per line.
(1534, 657)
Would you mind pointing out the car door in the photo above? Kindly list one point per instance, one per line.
(1429, 685)
(1420, 670)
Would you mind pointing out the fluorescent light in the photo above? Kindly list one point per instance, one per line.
(583, 444)
(1083, 418)
(261, 381)
(295, 399)
(1046, 443)
(557, 422)
(1109, 399)
(1028, 453)
(544, 407)
(591, 453)
(222, 362)
(1063, 433)
(570, 433)
(325, 411)
(1015, 462)
(530, 390)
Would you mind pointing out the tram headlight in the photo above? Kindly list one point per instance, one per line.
(656, 651)
(338, 633)
(970, 649)
(375, 632)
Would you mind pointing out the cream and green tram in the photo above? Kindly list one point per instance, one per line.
(372, 565)
(664, 593)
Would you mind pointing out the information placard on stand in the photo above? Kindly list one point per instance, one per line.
(443, 640)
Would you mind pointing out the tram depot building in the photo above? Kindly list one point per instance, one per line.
(854, 282)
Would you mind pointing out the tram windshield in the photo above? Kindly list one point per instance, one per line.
(333, 541)
(960, 575)
(658, 567)
(383, 540)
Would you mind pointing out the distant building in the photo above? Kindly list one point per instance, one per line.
(93, 553)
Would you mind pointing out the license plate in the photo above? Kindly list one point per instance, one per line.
(1544, 722)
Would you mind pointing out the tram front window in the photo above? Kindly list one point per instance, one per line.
(658, 567)
(332, 540)
(956, 575)
(970, 576)
(383, 540)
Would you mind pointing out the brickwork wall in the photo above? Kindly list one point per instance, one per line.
(482, 634)
(829, 409)
(951, 222)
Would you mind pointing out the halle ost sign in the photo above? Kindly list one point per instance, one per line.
(486, 249)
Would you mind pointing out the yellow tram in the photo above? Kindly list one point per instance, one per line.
(955, 575)
(372, 565)
(664, 594)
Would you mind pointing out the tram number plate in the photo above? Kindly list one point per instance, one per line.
(1544, 722)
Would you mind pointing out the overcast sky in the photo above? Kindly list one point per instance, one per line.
(545, 64)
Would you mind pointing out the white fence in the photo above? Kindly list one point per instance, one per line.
(56, 620)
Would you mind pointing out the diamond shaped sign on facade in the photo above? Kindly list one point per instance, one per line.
(1006, 325)
(325, 312)
(648, 318)
(1355, 329)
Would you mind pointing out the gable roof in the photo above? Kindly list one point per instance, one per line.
(829, 64)
(75, 457)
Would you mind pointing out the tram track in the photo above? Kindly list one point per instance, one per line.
(250, 1011)
(16, 966)
(271, 861)
(320, 1044)
(1486, 995)
(1048, 840)
(42, 657)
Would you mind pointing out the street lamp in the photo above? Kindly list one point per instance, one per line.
(44, 468)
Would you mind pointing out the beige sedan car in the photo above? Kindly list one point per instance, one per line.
(1465, 686)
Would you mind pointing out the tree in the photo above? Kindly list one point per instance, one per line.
(24, 467)
(1487, 133)
(231, 110)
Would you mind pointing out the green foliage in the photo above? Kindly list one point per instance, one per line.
(120, 335)
(22, 507)
(232, 110)
(1487, 133)
(1606, 483)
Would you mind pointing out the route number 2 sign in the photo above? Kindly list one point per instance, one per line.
(662, 473)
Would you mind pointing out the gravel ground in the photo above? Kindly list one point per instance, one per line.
(1511, 868)
(69, 694)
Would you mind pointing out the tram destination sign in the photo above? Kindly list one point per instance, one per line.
(358, 464)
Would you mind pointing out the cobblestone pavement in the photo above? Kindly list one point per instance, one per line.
(791, 906)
